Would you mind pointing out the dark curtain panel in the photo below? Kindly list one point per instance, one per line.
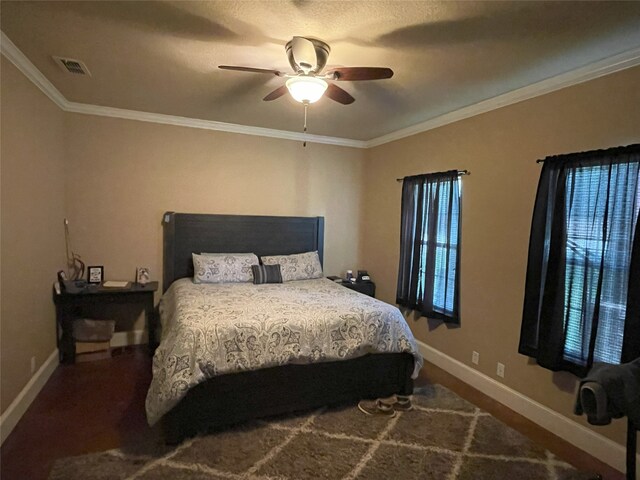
(428, 277)
(582, 293)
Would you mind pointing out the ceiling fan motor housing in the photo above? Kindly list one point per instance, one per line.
(322, 54)
(308, 57)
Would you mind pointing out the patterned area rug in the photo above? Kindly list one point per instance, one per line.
(443, 438)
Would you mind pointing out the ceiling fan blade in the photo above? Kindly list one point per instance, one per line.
(304, 53)
(277, 93)
(353, 74)
(251, 69)
(339, 95)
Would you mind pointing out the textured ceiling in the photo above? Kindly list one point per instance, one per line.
(162, 57)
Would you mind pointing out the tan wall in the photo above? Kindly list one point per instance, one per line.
(32, 238)
(500, 149)
(123, 175)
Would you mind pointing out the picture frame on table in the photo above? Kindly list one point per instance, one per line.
(143, 275)
(95, 274)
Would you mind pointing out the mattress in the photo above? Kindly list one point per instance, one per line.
(218, 329)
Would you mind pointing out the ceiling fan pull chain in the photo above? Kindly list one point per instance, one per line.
(306, 104)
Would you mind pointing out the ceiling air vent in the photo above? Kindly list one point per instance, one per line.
(70, 65)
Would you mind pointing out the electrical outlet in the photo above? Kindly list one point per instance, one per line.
(500, 370)
(475, 358)
(33, 365)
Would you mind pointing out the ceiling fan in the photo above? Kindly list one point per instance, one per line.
(307, 57)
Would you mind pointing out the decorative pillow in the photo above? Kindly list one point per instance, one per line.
(300, 266)
(266, 274)
(223, 267)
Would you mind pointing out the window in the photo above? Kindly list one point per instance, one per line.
(429, 250)
(578, 299)
(585, 251)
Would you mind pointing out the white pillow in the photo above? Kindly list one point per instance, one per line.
(223, 267)
(300, 266)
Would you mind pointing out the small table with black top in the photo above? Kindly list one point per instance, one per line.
(368, 288)
(71, 303)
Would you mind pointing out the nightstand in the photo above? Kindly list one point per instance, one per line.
(368, 288)
(72, 304)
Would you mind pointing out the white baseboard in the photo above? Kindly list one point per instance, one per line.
(578, 435)
(9, 419)
(132, 337)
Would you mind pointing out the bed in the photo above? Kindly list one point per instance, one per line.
(206, 402)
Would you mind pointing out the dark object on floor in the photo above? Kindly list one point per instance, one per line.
(376, 408)
(613, 391)
(386, 406)
(443, 437)
(402, 403)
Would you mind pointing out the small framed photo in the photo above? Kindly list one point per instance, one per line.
(142, 275)
(95, 274)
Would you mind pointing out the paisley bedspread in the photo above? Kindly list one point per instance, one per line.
(216, 329)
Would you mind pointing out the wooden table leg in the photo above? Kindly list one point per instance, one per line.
(150, 314)
(67, 346)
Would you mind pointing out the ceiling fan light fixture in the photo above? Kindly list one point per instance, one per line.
(306, 89)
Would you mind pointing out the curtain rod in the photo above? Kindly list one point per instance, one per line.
(460, 172)
(633, 148)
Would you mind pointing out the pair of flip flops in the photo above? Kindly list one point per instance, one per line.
(386, 407)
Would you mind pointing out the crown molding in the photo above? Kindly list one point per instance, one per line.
(22, 63)
(19, 59)
(209, 125)
(603, 67)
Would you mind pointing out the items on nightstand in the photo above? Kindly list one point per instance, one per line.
(72, 304)
(362, 283)
(95, 274)
(72, 286)
(115, 284)
(142, 275)
(93, 339)
(75, 264)
(363, 276)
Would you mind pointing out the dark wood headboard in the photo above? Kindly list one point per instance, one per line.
(187, 233)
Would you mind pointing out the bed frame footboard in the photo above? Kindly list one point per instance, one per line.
(236, 398)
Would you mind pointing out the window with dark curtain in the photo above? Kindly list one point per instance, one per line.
(428, 275)
(582, 294)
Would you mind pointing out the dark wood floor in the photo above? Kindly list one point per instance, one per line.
(83, 408)
(90, 407)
